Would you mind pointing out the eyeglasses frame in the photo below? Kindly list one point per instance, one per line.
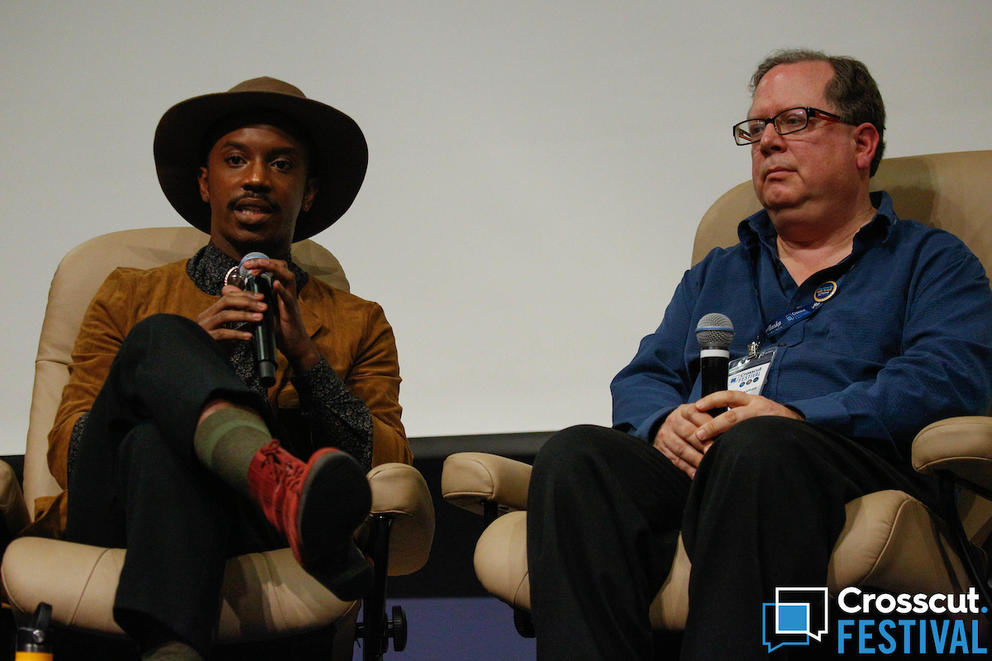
(810, 113)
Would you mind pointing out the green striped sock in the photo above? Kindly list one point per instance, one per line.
(227, 440)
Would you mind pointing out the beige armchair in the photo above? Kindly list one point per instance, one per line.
(890, 542)
(265, 595)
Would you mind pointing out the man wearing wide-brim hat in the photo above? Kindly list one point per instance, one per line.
(164, 439)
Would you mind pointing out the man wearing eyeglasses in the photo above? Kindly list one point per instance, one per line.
(872, 327)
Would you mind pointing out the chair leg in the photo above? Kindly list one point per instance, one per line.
(949, 510)
(33, 639)
(376, 630)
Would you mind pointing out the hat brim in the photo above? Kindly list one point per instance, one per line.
(335, 137)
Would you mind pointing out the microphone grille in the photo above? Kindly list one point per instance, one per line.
(715, 330)
(254, 255)
(242, 271)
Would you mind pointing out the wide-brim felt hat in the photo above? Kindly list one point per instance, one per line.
(338, 145)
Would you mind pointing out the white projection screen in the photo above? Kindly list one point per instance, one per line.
(536, 169)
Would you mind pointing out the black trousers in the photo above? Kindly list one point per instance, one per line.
(135, 482)
(764, 510)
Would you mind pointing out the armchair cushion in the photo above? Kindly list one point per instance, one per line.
(891, 541)
(262, 593)
(501, 559)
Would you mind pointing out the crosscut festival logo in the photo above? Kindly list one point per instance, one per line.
(875, 623)
(797, 616)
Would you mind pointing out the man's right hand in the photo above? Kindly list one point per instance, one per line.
(233, 307)
(676, 438)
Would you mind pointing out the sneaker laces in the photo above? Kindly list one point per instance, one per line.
(286, 477)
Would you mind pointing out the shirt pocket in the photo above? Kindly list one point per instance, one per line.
(868, 334)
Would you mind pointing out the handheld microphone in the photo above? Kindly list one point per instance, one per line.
(263, 335)
(714, 332)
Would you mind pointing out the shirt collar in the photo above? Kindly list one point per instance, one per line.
(758, 227)
(209, 265)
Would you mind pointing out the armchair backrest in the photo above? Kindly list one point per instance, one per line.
(950, 191)
(76, 280)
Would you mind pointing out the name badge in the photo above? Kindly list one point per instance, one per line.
(748, 374)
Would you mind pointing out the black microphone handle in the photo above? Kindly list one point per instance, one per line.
(713, 374)
(263, 335)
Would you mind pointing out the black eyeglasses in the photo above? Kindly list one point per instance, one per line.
(788, 121)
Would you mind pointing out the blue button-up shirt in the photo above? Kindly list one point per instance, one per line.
(905, 340)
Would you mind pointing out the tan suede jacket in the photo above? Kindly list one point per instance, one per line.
(351, 333)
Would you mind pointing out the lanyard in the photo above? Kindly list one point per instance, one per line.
(821, 295)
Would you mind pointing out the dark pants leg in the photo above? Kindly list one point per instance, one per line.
(603, 515)
(765, 511)
(135, 481)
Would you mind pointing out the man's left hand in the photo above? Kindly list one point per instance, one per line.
(291, 334)
(740, 406)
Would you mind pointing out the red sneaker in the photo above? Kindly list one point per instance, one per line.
(317, 505)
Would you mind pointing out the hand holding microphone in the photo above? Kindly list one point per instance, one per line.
(284, 316)
(688, 431)
(678, 437)
(259, 301)
(714, 333)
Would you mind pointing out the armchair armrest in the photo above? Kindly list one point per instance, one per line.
(962, 446)
(470, 479)
(400, 492)
(13, 509)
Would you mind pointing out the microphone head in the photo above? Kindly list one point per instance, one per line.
(715, 330)
(242, 271)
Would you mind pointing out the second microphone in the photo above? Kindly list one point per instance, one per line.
(714, 332)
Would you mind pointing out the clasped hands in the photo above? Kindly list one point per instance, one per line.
(237, 306)
(689, 431)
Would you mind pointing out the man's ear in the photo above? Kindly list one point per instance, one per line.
(310, 193)
(201, 179)
(865, 145)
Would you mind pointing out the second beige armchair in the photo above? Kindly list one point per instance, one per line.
(891, 541)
